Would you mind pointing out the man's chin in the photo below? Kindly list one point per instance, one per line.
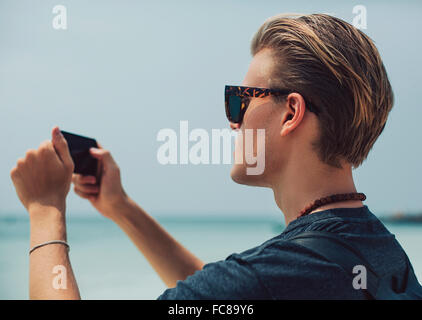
(238, 175)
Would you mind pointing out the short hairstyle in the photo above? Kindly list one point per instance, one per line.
(337, 68)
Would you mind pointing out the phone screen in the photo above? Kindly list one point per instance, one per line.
(79, 147)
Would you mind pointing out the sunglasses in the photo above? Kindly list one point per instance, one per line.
(237, 100)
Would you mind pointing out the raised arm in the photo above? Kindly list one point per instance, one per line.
(42, 181)
(168, 257)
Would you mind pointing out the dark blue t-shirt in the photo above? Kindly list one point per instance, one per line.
(278, 269)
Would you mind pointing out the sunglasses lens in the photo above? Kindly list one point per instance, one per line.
(234, 108)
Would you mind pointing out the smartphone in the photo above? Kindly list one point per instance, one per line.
(79, 146)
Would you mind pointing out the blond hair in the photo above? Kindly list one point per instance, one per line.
(338, 69)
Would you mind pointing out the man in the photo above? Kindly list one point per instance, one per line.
(318, 87)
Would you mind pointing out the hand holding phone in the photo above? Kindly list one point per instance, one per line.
(79, 146)
(105, 192)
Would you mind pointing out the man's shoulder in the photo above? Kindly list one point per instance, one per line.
(277, 269)
(290, 271)
(279, 253)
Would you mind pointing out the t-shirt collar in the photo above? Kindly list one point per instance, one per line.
(342, 213)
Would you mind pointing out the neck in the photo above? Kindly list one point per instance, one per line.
(301, 184)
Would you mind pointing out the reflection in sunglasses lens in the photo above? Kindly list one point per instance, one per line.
(234, 108)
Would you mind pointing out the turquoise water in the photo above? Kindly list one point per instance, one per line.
(108, 266)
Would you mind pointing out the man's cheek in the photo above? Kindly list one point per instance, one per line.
(238, 148)
(254, 154)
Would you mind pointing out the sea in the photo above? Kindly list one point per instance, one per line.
(108, 266)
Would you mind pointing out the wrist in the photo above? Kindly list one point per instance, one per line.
(46, 223)
(35, 209)
(41, 211)
(120, 210)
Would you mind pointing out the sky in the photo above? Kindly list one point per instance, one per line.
(124, 70)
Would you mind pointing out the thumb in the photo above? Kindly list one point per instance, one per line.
(61, 147)
(103, 155)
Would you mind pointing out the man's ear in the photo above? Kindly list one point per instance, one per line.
(293, 114)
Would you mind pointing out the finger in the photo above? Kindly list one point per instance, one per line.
(30, 154)
(100, 153)
(46, 148)
(88, 179)
(103, 155)
(84, 195)
(75, 178)
(88, 188)
(61, 147)
(14, 174)
(80, 179)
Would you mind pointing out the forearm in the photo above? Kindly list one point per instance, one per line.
(51, 275)
(168, 257)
